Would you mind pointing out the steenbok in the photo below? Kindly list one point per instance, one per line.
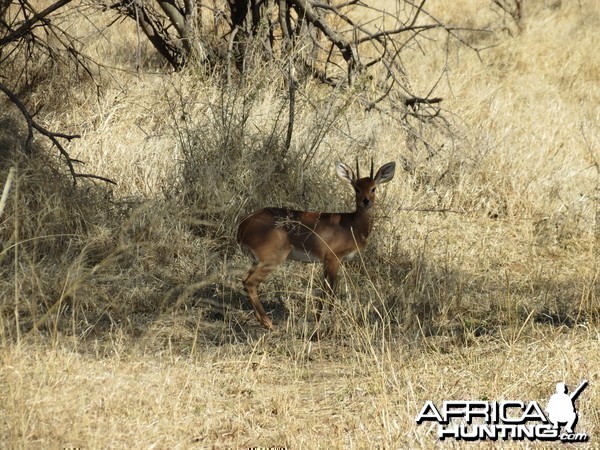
(277, 234)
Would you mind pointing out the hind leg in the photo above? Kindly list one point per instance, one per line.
(271, 247)
(255, 277)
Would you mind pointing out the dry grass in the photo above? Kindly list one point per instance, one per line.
(277, 391)
(122, 322)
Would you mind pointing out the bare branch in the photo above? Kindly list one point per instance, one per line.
(381, 34)
(346, 49)
(15, 100)
(53, 136)
(414, 101)
(335, 7)
(27, 25)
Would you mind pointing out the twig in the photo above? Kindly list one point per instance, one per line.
(414, 101)
(434, 210)
(6, 190)
(292, 83)
(95, 177)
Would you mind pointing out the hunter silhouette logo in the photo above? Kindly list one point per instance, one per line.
(507, 420)
(561, 407)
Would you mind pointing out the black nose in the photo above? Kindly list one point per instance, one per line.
(366, 202)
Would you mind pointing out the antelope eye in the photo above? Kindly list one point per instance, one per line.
(356, 189)
(373, 190)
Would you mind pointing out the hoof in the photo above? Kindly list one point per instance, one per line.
(269, 325)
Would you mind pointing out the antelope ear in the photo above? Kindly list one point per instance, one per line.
(385, 173)
(345, 172)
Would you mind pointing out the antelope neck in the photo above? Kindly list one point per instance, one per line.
(362, 220)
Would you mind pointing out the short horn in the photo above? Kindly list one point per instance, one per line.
(357, 170)
(371, 168)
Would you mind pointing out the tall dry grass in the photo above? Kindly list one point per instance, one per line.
(122, 321)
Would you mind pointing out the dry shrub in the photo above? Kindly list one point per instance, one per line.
(45, 225)
(477, 230)
(76, 261)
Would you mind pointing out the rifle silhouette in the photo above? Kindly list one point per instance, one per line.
(577, 391)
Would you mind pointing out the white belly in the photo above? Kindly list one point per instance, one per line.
(299, 254)
(350, 255)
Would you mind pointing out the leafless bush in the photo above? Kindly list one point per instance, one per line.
(32, 42)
